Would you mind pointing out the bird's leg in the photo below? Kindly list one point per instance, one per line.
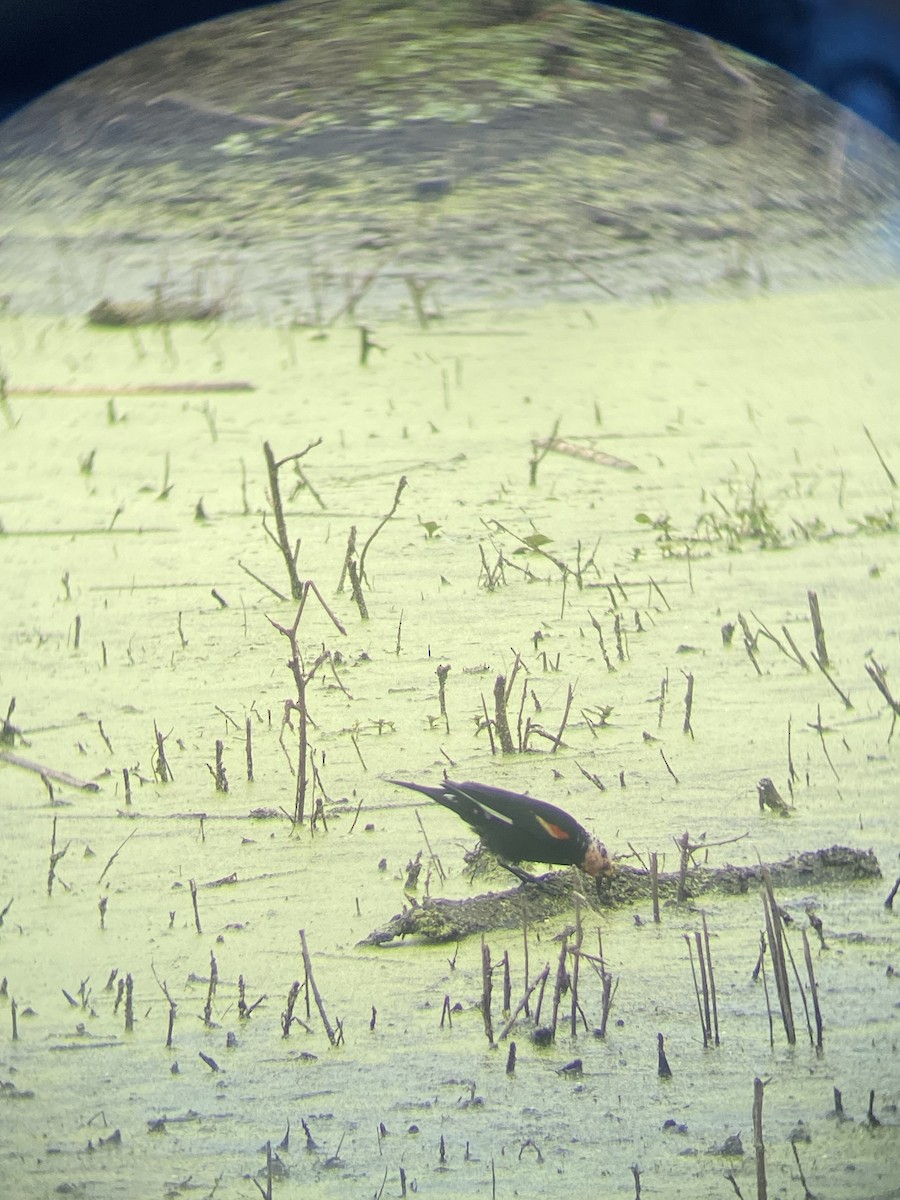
(549, 881)
(514, 869)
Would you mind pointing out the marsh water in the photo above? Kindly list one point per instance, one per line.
(743, 389)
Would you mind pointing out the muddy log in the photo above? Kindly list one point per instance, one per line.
(438, 920)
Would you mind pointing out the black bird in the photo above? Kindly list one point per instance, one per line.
(519, 828)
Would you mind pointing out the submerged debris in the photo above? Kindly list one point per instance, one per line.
(157, 311)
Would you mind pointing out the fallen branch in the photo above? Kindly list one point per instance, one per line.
(437, 920)
(600, 457)
(86, 785)
(136, 389)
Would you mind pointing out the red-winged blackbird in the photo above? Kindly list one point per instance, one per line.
(519, 828)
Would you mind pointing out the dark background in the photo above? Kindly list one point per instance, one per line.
(850, 49)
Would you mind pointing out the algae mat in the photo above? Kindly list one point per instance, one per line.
(628, 307)
(755, 482)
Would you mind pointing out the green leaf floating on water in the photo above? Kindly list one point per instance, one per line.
(536, 540)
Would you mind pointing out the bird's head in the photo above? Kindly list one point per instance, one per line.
(597, 862)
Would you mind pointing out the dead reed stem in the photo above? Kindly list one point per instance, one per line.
(442, 672)
(211, 991)
(161, 767)
(173, 1007)
(523, 1003)
(311, 983)
(287, 553)
(129, 1003)
(688, 703)
(576, 968)
(758, 1142)
(501, 722)
(814, 991)
(703, 1023)
(378, 528)
(248, 748)
(818, 629)
(775, 933)
(486, 991)
(562, 981)
(55, 856)
(712, 981)
(663, 1070)
(193, 886)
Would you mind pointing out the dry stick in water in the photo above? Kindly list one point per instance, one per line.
(818, 630)
(688, 703)
(135, 389)
(663, 1070)
(814, 991)
(570, 692)
(434, 858)
(576, 969)
(248, 748)
(775, 933)
(287, 1017)
(115, 854)
(877, 674)
(302, 678)
(486, 990)
(606, 658)
(705, 985)
(501, 722)
(211, 992)
(800, 988)
(758, 1143)
(843, 695)
(885, 467)
(807, 1194)
(488, 724)
(684, 845)
(523, 1003)
(636, 1172)
(442, 672)
(129, 1003)
(704, 1024)
(820, 729)
(378, 528)
(562, 980)
(760, 970)
(219, 774)
(161, 765)
(654, 885)
(609, 986)
(749, 642)
(666, 762)
(193, 886)
(712, 982)
(163, 986)
(281, 541)
(55, 856)
(539, 451)
(356, 589)
(307, 965)
(45, 772)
